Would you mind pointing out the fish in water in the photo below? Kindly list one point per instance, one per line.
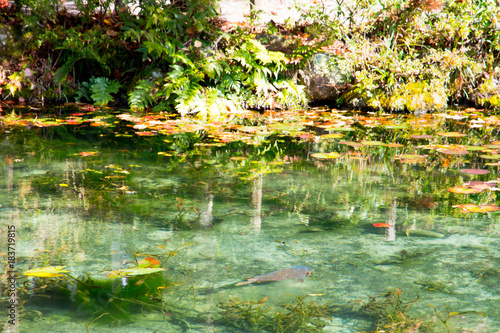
(295, 272)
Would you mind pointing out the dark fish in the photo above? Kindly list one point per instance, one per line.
(295, 272)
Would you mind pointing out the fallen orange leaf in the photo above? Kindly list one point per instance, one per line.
(382, 225)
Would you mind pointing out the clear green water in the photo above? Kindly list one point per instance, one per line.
(232, 219)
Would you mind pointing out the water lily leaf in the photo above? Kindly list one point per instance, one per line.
(475, 171)
(47, 271)
(464, 190)
(453, 151)
(473, 148)
(492, 146)
(148, 262)
(326, 155)
(87, 153)
(451, 134)
(411, 156)
(394, 145)
(472, 208)
(382, 225)
(481, 185)
(134, 271)
(372, 143)
(332, 136)
(396, 126)
(491, 157)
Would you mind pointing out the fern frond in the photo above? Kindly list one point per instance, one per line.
(140, 98)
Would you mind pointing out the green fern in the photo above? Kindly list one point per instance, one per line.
(140, 98)
(101, 89)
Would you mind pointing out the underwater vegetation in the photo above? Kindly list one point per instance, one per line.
(249, 316)
(393, 314)
(390, 311)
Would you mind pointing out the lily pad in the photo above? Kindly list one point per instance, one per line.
(454, 151)
(372, 143)
(472, 208)
(464, 190)
(134, 271)
(451, 134)
(351, 143)
(492, 146)
(47, 271)
(491, 157)
(323, 156)
(332, 136)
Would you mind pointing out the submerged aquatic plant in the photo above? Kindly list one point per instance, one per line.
(390, 312)
(251, 316)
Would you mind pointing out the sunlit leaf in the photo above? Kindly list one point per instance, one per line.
(451, 134)
(411, 156)
(453, 151)
(382, 225)
(463, 190)
(491, 157)
(472, 148)
(47, 271)
(326, 155)
(472, 208)
(135, 271)
(492, 146)
(148, 262)
(87, 153)
(372, 143)
(394, 145)
(332, 136)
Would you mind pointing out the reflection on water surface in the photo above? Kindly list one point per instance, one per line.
(390, 245)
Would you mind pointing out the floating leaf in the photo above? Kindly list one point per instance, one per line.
(47, 271)
(464, 190)
(148, 262)
(332, 136)
(382, 225)
(480, 184)
(87, 153)
(411, 157)
(135, 271)
(472, 148)
(475, 171)
(472, 208)
(452, 134)
(326, 155)
(394, 145)
(453, 151)
(372, 143)
(491, 157)
(492, 146)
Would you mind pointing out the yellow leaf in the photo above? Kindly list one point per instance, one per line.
(47, 271)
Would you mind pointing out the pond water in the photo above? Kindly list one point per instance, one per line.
(389, 249)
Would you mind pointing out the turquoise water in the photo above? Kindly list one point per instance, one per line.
(231, 212)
